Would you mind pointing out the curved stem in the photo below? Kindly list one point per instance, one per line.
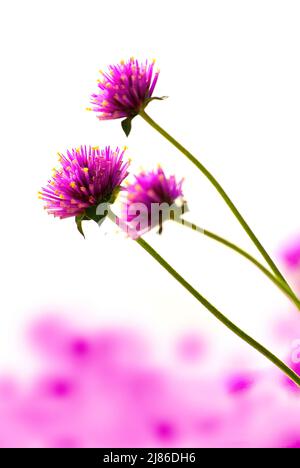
(234, 328)
(220, 190)
(280, 284)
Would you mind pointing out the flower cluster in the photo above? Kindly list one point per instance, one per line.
(87, 177)
(124, 89)
(150, 199)
(89, 180)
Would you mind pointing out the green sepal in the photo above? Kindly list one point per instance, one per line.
(91, 214)
(114, 195)
(126, 125)
(162, 98)
(78, 221)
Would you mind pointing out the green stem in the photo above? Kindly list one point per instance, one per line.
(281, 285)
(261, 349)
(220, 190)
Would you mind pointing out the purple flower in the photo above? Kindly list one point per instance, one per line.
(291, 254)
(87, 177)
(151, 199)
(124, 90)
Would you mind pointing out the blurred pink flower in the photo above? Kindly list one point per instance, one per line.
(105, 389)
(291, 254)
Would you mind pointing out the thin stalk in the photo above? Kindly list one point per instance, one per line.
(216, 313)
(281, 285)
(220, 190)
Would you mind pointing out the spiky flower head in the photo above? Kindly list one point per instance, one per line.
(151, 199)
(124, 90)
(87, 177)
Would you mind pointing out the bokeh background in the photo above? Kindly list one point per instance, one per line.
(94, 324)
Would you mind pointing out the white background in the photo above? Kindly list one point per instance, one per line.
(231, 71)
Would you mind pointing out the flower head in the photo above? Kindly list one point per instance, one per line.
(87, 177)
(151, 199)
(124, 89)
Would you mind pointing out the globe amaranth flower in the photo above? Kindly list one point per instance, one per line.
(124, 90)
(152, 199)
(87, 177)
